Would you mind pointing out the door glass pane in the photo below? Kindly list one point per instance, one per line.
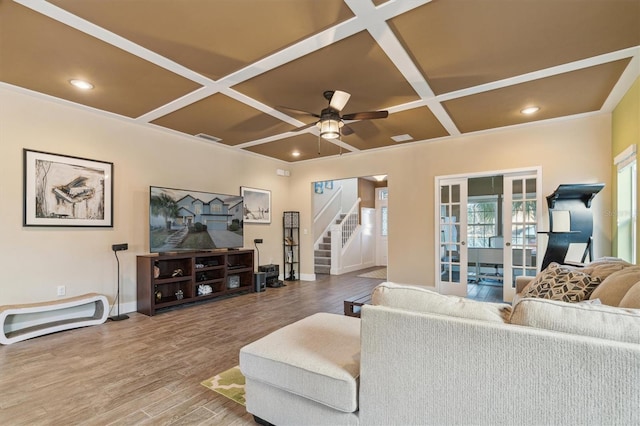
(455, 212)
(455, 193)
(444, 194)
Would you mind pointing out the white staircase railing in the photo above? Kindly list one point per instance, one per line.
(326, 216)
(342, 235)
(350, 222)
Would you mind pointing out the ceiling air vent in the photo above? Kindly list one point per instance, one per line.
(402, 138)
(208, 137)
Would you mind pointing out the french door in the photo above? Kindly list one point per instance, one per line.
(520, 213)
(452, 228)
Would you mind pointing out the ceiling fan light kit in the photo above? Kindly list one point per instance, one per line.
(329, 129)
(330, 123)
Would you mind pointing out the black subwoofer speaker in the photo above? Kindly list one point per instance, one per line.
(260, 282)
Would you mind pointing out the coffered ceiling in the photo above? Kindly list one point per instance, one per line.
(223, 69)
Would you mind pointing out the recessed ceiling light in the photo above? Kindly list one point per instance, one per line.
(295, 154)
(530, 110)
(81, 84)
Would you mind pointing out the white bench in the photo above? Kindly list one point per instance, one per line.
(22, 322)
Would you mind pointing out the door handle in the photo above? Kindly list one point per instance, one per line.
(508, 244)
(462, 243)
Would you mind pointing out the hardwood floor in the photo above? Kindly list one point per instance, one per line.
(485, 292)
(147, 370)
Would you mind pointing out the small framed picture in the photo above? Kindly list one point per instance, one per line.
(256, 205)
(318, 187)
(328, 184)
(61, 190)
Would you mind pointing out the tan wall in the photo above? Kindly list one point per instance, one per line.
(35, 260)
(573, 151)
(626, 132)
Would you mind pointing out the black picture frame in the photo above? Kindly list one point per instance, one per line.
(67, 191)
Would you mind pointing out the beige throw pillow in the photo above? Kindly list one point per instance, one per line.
(419, 299)
(632, 298)
(605, 322)
(616, 285)
(603, 267)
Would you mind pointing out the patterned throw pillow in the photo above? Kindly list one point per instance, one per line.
(564, 283)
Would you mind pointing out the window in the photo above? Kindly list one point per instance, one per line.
(626, 211)
(482, 220)
(384, 222)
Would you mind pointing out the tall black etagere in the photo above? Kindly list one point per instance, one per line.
(291, 245)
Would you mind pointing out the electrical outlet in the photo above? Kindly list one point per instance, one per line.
(62, 290)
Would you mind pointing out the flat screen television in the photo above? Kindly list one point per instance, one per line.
(183, 220)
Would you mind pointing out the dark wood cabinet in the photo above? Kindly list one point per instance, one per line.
(165, 280)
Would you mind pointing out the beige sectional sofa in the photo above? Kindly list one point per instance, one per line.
(417, 358)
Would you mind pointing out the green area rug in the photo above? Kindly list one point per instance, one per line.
(378, 273)
(229, 383)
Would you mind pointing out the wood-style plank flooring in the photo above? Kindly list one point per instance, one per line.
(147, 370)
(485, 292)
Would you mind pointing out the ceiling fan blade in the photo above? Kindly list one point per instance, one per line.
(306, 126)
(368, 115)
(346, 130)
(297, 111)
(339, 100)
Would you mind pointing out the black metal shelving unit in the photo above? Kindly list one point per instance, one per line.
(291, 245)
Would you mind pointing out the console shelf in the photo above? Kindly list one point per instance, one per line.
(165, 280)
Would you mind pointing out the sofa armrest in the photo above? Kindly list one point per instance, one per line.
(521, 282)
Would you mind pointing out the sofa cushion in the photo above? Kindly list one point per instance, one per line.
(419, 299)
(561, 282)
(632, 298)
(616, 285)
(317, 358)
(605, 322)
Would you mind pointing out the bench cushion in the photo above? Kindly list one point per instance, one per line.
(317, 358)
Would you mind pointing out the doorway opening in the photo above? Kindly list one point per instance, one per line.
(488, 232)
(485, 238)
(350, 224)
